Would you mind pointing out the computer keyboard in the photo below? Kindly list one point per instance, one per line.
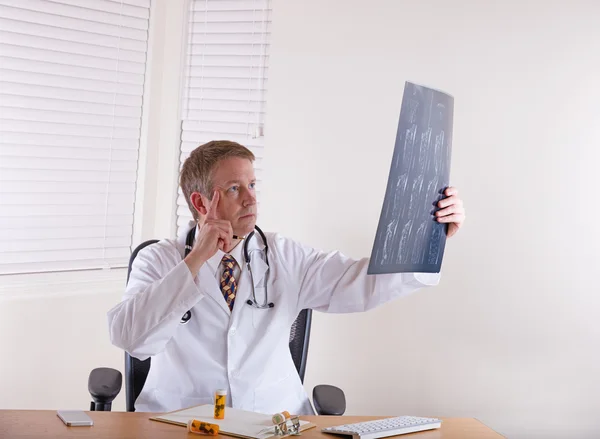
(385, 427)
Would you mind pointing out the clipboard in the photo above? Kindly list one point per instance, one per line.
(238, 423)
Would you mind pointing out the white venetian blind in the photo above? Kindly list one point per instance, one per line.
(71, 83)
(226, 75)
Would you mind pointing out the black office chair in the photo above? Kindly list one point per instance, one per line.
(104, 383)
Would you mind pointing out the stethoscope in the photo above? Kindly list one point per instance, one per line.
(189, 244)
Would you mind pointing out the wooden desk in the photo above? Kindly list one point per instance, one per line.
(20, 424)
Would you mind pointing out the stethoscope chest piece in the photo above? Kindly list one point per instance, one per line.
(186, 317)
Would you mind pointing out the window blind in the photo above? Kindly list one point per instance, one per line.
(226, 77)
(71, 85)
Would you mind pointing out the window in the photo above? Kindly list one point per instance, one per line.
(226, 73)
(71, 85)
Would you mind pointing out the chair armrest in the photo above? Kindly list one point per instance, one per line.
(329, 400)
(104, 384)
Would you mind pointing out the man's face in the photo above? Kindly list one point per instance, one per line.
(234, 179)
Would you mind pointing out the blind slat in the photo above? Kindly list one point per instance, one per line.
(66, 82)
(231, 5)
(50, 265)
(225, 95)
(51, 187)
(224, 105)
(112, 7)
(230, 28)
(222, 116)
(71, 106)
(236, 84)
(61, 58)
(7, 125)
(247, 40)
(58, 221)
(65, 94)
(117, 52)
(42, 164)
(61, 233)
(61, 153)
(259, 15)
(62, 210)
(256, 60)
(68, 35)
(142, 3)
(67, 176)
(198, 69)
(66, 255)
(18, 247)
(11, 113)
(224, 128)
(15, 138)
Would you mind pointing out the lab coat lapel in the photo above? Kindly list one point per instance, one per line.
(259, 266)
(259, 270)
(211, 287)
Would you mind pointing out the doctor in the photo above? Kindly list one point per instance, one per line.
(228, 340)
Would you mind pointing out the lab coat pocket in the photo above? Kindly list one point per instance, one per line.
(267, 318)
(261, 316)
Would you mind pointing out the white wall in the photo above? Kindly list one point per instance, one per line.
(511, 335)
(52, 334)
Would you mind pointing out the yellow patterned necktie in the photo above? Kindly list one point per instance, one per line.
(228, 283)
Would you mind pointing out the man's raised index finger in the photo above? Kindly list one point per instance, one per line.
(212, 211)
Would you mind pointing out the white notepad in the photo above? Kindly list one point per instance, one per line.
(238, 423)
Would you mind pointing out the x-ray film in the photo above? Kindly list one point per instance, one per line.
(408, 238)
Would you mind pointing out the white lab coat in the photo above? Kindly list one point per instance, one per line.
(244, 351)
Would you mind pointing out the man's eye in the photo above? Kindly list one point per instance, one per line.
(233, 189)
(252, 185)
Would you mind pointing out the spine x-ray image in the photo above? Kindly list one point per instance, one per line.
(408, 238)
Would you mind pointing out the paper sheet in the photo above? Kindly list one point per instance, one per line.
(239, 423)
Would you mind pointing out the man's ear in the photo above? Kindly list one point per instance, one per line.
(200, 203)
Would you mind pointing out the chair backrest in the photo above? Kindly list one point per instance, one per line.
(136, 371)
